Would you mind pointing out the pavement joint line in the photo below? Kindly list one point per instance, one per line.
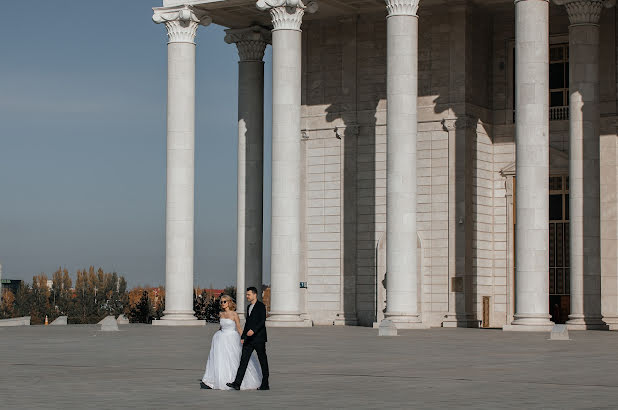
(374, 376)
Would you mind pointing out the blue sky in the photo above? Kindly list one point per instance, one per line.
(82, 142)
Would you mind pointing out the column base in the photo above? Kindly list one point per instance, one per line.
(405, 326)
(463, 320)
(179, 319)
(580, 322)
(530, 323)
(406, 321)
(611, 321)
(287, 320)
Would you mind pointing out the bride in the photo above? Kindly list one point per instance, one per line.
(225, 351)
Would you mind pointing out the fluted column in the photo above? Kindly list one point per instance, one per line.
(287, 18)
(532, 162)
(584, 167)
(401, 126)
(251, 43)
(181, 24)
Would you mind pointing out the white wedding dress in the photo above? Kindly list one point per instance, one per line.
(224, 358)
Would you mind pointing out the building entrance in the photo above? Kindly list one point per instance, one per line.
(559, 258)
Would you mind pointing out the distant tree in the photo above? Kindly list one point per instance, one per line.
(123, 296)
(231, 291)
(140, 313)
(206, 306)
(200, 302)
(22, 300)
(158, 302)
(213, 308)
(39, 302)
(61, 294)
(7, 308)
(266, 297)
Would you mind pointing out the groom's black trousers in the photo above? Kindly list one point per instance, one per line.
(247, 349)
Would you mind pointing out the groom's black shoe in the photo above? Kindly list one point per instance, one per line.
(233, 386)
(264, 387)
(204, 386)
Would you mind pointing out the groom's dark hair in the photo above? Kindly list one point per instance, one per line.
(252, 289)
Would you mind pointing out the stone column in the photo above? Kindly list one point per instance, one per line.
(181, 24)
(287, 16)
(584, 168)
(251, 43)
(532, 162)
(401, 124)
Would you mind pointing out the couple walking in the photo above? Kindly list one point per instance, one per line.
(231, 351)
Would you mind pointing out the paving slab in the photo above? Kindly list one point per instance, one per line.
(77, 366)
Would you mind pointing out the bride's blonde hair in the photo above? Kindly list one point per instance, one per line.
(230, 302)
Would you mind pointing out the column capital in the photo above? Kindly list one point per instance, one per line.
(181, 22)
(251, 42)
(585, 11)
(402, 7)
(287, 14)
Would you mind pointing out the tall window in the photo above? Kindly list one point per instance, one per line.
(559, 75)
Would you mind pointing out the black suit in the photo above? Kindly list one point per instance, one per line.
(256, 321)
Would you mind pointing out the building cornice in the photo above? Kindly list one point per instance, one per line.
(402, 7)
(251, 42)
(181, 22)
(585, 11)
(287, 14)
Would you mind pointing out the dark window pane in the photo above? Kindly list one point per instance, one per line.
(566, 207)
(559, 245)
(556, 53)
(567, 250)
(556, 75)
(555, 207)
(557, 99)
(555, 183)
(552, 244)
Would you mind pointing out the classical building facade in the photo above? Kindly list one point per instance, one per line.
(435, 163)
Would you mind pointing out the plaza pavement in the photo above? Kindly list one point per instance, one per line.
(79, 367)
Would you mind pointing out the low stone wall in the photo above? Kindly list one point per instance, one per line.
(16, 321)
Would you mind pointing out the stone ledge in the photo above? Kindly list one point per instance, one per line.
(528, 328)
(172, 322)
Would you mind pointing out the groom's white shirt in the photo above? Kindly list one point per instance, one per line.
(251, 308)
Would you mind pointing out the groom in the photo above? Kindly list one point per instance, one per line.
(253, 338)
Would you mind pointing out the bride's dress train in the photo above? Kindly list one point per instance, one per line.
(224, 358)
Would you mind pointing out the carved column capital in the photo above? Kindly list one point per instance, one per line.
(181, 22)
(585, 11)
(287, 14)
(402, 7)
(251, 42)
(463, 122)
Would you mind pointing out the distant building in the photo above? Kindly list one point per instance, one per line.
(11, 284)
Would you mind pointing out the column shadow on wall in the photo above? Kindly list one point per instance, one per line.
(358, 135)
(592, 309)
(463, 215)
